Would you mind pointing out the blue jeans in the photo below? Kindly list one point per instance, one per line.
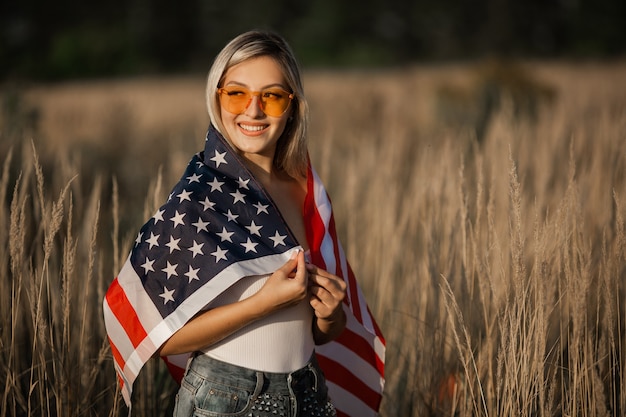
(217, 389)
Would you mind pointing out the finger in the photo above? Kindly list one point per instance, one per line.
(317, 303)
(331, 283)
(325, 297)
(289, 266)
(320, 309)
(313, 269)
(321, 272)
(301, 272)
(318, 292)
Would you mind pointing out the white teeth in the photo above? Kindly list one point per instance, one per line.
(252, 128)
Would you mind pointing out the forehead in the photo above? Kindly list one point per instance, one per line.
(256, 72)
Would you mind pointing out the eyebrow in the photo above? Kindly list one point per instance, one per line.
(279, 85)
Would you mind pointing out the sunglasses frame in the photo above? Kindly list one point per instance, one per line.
(258, 94)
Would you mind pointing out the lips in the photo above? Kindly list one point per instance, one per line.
(252, 128)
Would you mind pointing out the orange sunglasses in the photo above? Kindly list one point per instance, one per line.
(272, 101)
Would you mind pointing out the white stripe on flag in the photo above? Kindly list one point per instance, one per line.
(116, 332)
(353, 290)
(349, 403)
(363, 370)
(324, 209)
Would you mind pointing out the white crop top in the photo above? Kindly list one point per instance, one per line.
(280, 342)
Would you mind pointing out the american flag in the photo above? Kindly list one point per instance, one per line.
(218, 226)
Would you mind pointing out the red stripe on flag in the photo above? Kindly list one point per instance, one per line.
(176, 371)
(315, 229)
(361, 347)
(117, 356)
(119, 359)
(341, 376)
(125, 313)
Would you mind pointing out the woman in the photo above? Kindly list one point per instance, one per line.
(249, 305)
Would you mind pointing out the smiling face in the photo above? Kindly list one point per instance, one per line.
(253, 133)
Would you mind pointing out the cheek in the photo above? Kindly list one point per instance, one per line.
(226, 117)
(228, 122)
(285, 122)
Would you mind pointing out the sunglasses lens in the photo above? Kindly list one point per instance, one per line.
(234, 99)
(273, 101)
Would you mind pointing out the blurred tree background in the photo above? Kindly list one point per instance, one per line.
(42, 40)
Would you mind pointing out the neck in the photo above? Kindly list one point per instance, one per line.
(262, 168)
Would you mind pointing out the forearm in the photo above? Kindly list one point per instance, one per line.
(328, 329)
(212, 326)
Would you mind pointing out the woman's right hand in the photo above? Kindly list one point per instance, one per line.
(287, 286)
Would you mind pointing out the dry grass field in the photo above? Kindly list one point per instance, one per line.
(481, 205)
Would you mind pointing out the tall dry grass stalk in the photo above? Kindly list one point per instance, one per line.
(481, 207)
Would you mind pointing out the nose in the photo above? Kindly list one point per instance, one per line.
(254, 107)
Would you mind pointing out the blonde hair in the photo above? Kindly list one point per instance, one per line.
(291, 149)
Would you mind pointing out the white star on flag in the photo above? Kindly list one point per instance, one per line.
(243, 183)
(158, 216)
(170, 270)
(278, 239)
(238, 196)
(225, 235)
(184, 195)
(231, 216)
(196, 249)
(219, 254)
(207, 204)
(250, 246)
(178, 219)
(168, 295)
(219, 159)
(173, 244)
(154, 240)
(254, 229)
(261, 208)
(201, 225)
(215, 185)
(194, 178)
(147, 266)
(192, 273)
